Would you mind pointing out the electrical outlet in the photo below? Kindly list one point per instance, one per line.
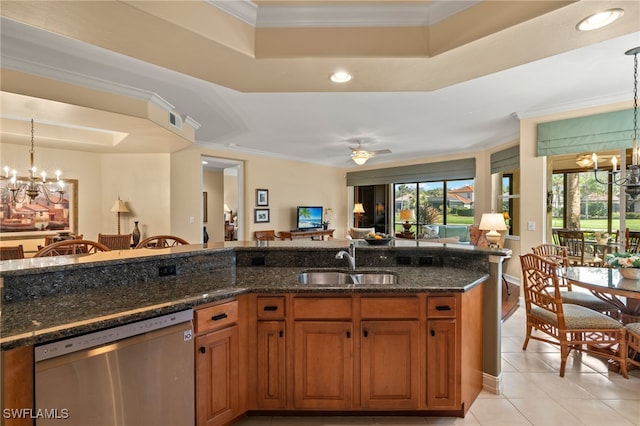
(166, 270)
(531, 226)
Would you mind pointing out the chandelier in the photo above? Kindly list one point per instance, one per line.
(631, 179)
(18, 189)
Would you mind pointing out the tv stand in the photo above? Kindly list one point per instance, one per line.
(314, 234)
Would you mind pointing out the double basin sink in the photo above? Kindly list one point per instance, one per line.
(346, 278)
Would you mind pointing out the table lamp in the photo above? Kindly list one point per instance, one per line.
(493, 222)
(358, 210)
(119, 207)
(407, 215)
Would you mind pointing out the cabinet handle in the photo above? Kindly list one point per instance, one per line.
(348, 335)
(218, 317)
(443, 308)
(203, 349)
(365, 333)
(270, 308)
(281, 333)
(433, 332)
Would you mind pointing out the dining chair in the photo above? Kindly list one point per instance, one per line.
(269, 235)
(633, 342)
(558, 254)
(632, 241)
(573, 240)
(11, 252)
(161, 241)
(67, 247)
(572, 327)
(115, 241)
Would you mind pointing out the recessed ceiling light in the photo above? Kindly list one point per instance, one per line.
(340, 77)
(599, 20)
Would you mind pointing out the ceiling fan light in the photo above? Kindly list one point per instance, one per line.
(360, 157)
(599, 19)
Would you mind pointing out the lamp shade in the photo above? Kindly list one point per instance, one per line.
(119, 207)
(357, 208)
(492, 222)
(407, 214)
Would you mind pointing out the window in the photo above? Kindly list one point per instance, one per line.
(443, 202)
(580, 202)
(506, 199)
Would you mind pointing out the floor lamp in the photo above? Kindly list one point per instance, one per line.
(119, 207)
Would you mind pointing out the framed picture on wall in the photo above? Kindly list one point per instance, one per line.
(262, 197)
(261, 216)
(43, 215)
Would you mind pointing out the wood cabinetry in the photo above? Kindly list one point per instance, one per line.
(322, 353)
(217, 364)
(323, 371)
(271, 352)
(390, 353)
(387, 352)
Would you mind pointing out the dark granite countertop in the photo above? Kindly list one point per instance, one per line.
(51, 318)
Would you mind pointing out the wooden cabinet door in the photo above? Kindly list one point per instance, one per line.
(271, 357)
(323, 365)
(441, 363)
(217, 368)
(390, 369)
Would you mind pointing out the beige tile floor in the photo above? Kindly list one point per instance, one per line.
(533, 394)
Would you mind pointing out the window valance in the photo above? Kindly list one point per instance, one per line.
(428, 172)
(505, 160)
(600, 132)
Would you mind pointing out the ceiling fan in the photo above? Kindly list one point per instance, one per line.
(360, 155)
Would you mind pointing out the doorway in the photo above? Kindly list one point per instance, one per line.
(222, 183)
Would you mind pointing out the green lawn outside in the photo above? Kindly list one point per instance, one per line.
(600, 224)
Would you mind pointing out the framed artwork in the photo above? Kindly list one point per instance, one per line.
(34, 219)
(261, 215)
(204, 207)
(262, 197)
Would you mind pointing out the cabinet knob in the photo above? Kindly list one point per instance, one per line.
(281, 333)
(443, 308)
(203, 349)
(365, 333)
(433, 332)
(270, 308)
(348, 335)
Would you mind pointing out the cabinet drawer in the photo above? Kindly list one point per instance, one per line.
(441, 306)
(321, 308)
(216, 316)
(271, 307)
(389, 307)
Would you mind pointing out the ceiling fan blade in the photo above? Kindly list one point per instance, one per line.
(378, 152)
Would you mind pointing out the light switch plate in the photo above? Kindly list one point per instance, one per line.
(531, 226)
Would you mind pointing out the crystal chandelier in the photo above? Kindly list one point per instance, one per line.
(18, 189)
(631, 180)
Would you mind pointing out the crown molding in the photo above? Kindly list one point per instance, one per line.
(341, 15)
(244, 10)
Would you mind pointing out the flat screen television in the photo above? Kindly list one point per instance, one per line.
(308, 217)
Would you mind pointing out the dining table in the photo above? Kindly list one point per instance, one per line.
(607, 284)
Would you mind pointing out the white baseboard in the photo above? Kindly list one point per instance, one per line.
(492, 384)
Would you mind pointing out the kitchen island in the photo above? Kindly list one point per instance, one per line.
(51, 299)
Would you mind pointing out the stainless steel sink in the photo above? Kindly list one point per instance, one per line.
(343, 278)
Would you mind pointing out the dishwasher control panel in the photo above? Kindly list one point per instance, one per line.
(99, 338)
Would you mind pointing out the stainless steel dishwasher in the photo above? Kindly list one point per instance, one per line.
(131, 375)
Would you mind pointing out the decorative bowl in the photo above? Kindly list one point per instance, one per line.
(377, 241)
(630, 273)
